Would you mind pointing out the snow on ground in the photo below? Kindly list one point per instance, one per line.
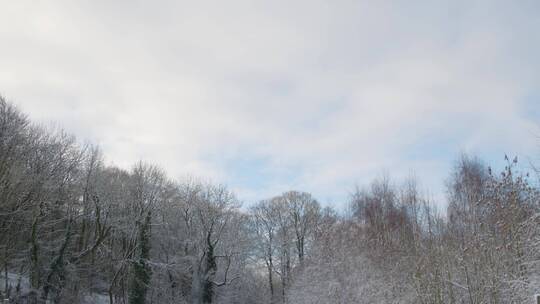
(13, 279)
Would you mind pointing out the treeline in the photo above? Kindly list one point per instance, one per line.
(394, 247)
(73, 230)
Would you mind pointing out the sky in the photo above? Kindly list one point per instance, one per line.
(268, 96)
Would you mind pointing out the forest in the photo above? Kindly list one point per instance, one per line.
(75, 230)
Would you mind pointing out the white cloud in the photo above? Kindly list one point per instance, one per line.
(337, 90)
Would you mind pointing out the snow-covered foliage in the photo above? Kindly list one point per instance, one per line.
(341, 271)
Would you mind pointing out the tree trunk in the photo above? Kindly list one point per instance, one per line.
(141, 272)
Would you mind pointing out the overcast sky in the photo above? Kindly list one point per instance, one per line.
(266, 96)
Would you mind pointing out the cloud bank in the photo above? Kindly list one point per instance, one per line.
(270, 95)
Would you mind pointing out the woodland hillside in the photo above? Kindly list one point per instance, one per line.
(73, 229)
